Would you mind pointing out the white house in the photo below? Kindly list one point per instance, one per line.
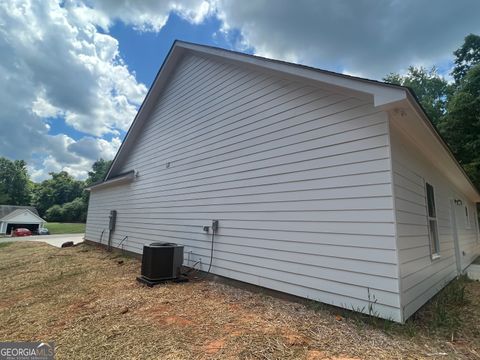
(13, 217)
(326, 186)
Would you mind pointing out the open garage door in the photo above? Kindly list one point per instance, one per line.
(22, 218)
(32, 227)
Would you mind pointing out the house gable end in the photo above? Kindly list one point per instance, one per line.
(22, 216)
(379, 93)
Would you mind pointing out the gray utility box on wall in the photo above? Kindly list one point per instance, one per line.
(162, 261)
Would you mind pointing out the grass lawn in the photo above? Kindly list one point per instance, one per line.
(65, 228)
(89, 303)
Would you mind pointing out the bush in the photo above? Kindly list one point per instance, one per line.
(54, 213)
(73, 211)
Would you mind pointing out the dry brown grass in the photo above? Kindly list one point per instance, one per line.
(89, 303)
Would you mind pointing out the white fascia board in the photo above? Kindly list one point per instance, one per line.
(24, 222)
(123, 179)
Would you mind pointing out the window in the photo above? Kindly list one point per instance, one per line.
(476, 222)
(467, 218)
(432, 222)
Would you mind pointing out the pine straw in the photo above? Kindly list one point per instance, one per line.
(89, 303)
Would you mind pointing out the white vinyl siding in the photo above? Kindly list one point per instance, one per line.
(298, 177)
(421, 275)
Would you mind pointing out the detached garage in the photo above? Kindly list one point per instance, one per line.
(14, 217)
(325, 186)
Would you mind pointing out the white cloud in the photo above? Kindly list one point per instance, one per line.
(94, 149)
(49, 164)
(370, 37)
(43, 109)
(74, 156)
(146, 15)
(55, 63)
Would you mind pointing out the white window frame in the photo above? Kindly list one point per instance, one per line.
(468, 224)
(433, 236)
(476, 223)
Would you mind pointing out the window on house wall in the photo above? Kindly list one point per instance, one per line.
(477, 223)
(477, 218)
(432, 222)
(467, 217)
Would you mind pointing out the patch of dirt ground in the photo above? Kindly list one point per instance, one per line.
(89, 303)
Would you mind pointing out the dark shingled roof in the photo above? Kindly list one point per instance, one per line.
(7, 209)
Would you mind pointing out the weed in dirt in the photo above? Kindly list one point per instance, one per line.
(445, 308)
(355, 316)
(442, 315)
(410, 328)
(316, 306)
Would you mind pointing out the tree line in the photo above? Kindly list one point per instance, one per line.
(60, 198)
(453, 107)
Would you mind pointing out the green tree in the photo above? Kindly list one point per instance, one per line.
(455, 109)
(461, 126)
(75, 211)
(4, 198)
(15, 188)
(467, 56)
(98, 172)
(63, 199)
(54, 214)
(60, 189)
(431, 89)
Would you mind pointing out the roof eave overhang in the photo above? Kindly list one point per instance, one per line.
(118, 180)
(470, 187)
(437, 145)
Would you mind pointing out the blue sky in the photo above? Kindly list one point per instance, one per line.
(144, 52)
(74, 72)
